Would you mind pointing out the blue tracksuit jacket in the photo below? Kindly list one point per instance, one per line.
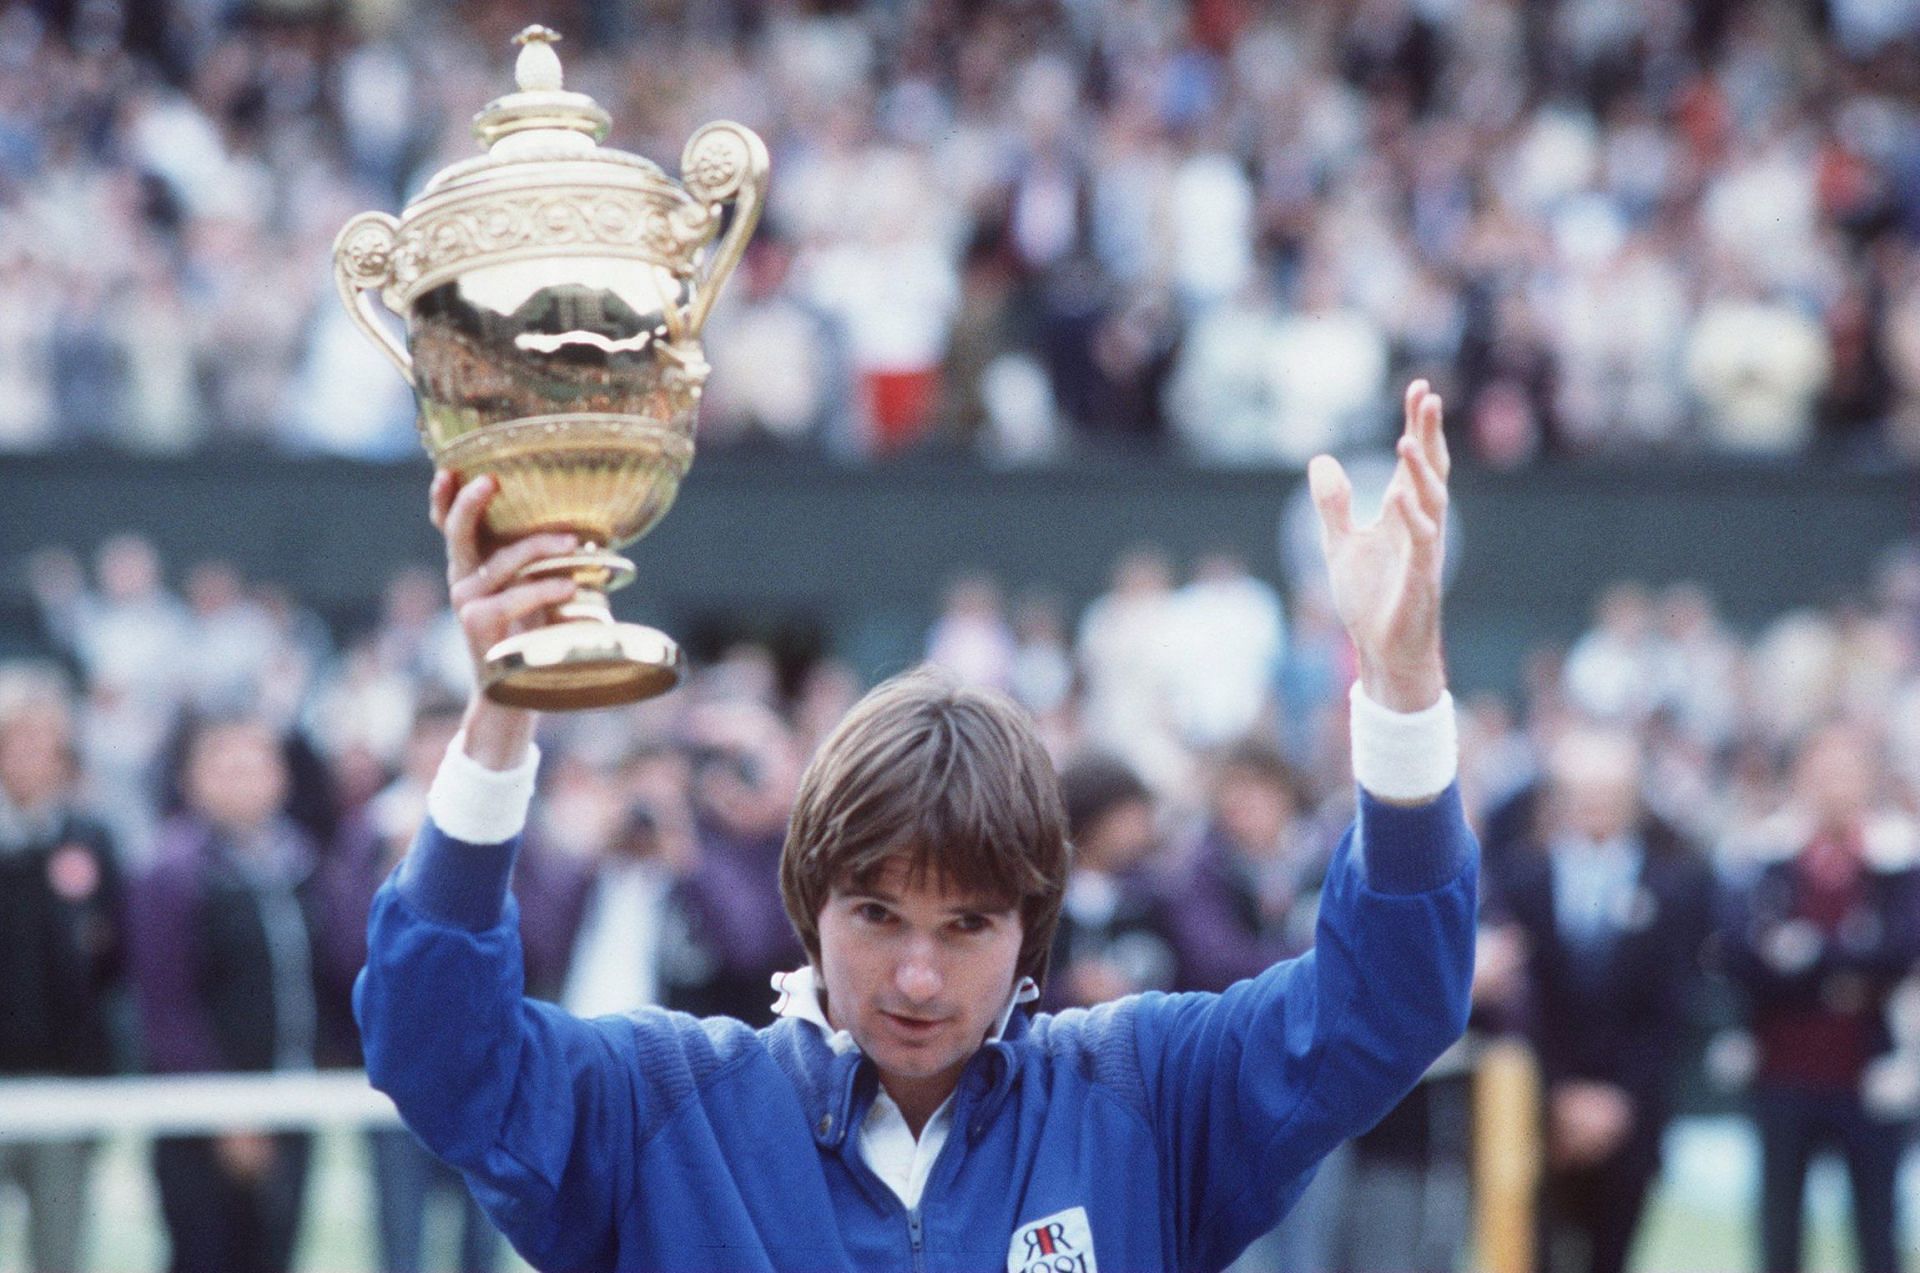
(1159, 1132)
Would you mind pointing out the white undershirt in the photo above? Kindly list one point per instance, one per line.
(888, 1147)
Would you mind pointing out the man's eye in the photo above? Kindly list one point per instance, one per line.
(872, 913)
(972, 923)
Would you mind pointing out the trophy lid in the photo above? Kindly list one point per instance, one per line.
(546, 188)
(542, 122)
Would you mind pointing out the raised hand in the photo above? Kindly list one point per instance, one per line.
(492, 602)
(1386, 575)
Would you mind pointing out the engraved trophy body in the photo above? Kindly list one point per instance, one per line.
(554, 293)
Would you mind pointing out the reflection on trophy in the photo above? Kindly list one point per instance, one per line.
(554, 292)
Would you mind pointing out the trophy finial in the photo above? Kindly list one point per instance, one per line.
(554, 122)
(537, 70)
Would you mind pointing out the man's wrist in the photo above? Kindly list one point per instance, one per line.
(476, 803)
(1404, 757)
(1405, 689)
(496, 736)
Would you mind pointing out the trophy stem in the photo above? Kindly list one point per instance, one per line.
(585, 658)
(589, 605)
(594, 568)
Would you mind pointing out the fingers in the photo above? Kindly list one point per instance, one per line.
(1422, 526)
(498, 570)
(461, 525)
(1332, 496)
(1424, 424)
(487, 619)
(440, 497)
(1424, 492)
(1419, 487)
(1433, 435)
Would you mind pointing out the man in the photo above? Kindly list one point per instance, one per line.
(1818, 939)
(60, 948)
(1251, 897)
(904, 1111)
(1250, 900)
(226, 973)
(1113, 939)
(1614, 909)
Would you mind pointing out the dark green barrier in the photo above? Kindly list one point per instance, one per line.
(857, 556)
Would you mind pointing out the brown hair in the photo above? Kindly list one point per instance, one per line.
(953, 778)
(1262, 761)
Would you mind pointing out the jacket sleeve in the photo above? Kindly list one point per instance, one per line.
(527, 1101)
(1247, 1090)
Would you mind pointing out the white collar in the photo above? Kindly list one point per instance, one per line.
(800, 997)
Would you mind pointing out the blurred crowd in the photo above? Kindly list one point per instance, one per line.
(1023, 230)
(1701, 853)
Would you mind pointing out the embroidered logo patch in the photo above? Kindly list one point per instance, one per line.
(1060, 1243)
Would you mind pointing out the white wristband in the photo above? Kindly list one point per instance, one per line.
(1406, 757)
(478, 805)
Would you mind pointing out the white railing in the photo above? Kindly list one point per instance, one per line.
(174, 1104)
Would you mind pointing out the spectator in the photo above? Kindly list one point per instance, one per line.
(1231, 636)
(1042, 679)
(1818, 938)
(129, 639)
(134, 632)
(971, 637)
(232, 640)
(783, 358)
(895, 290)
(1130, 669)
(638, 941)
(1250, 899)
(744, 776)
(60, 950)
(1114, 937)
(1613, 671)
(225, 965)
(1757, 366)
(1613, 910)
(1247, 900)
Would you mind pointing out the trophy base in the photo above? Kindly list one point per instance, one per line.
(583, 663)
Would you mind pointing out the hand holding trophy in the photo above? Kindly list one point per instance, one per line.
(554, 292)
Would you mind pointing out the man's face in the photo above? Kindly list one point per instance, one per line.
(1254, 812)
(236, 778)
(1837, 774)
(34, 763)
(1119, 839)
(918, 975)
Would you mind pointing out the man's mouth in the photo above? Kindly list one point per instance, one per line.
(913, 1027)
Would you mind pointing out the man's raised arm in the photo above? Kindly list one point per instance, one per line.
(480, 796)
(501, 1087)
(1251, 1088)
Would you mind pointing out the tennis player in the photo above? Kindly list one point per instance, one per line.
(906, 1110)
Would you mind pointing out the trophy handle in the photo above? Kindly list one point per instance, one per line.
(724, 161)
(362, 265)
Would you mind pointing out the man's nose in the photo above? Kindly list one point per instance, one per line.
(918, 975)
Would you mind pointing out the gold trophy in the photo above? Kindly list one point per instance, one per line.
(554, 292)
